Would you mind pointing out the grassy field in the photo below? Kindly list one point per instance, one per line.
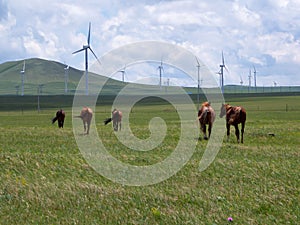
(46, 180)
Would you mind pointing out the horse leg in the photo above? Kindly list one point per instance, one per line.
(242, 131)
(120, 125)
(237, 133)
(209, 129)
(228, 130)
(204, 131)
(115, 125)
(88, 127)
(84, 126)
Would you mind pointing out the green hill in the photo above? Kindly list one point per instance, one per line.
(39, 71)
(52, 75)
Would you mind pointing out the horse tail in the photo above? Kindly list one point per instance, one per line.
(203, 116)
(54, 119)
(107, 120)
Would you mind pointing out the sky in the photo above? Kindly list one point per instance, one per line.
(254, 33)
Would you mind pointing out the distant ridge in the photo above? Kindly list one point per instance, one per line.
(51, 75)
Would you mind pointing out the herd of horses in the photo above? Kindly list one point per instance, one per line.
(235, 115)
(86, 115)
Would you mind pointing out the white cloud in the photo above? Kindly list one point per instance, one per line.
(246, 32)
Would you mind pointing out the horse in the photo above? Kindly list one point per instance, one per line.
(116, 117)
(60, 117)
(234, 116)
(86, 115)
(206, 116)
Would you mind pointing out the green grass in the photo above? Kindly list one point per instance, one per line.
(45, 179)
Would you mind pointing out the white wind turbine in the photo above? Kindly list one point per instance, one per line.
(254, 73)
(221, 73)
(249, 77)
(86, 48)
(66, 78)
(123, 73)
(198, 86)
(160, 68)
(241, 81)
(22, 72)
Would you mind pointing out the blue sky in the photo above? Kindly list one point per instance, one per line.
(264, 34)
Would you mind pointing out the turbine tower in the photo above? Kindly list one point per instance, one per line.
(221, 73)
(66, 78)
(254, 73)
(22, 72)
(249, 77)
(241, 81)
(86, 48)
(123, 73)
(198, 87)
(160, 68)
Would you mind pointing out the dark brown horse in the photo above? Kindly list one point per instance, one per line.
(116, 117)
(206, 116)
(86, 115)
(60, 117)
(234, 115)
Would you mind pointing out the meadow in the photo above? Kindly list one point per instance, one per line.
(46, 180)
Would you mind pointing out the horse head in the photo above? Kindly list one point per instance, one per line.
(223, 110)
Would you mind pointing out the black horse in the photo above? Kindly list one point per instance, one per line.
(60, 117)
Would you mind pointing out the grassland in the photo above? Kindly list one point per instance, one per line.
(46, 180)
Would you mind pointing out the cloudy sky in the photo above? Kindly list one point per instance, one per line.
(264, 34)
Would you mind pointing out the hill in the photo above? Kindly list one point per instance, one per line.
(39, 71)
(51, 75)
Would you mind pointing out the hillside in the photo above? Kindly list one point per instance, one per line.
(51, 75)
(39, 71)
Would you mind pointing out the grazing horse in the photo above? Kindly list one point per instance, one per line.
(234, 116)
(86, 115)
(60, 117)
(206, 116)
(116, 117)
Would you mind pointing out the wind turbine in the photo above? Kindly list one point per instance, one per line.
(123, 73)
(66, 78)
(22, 72)
(254, 73)
(241, 83)
(221, 73)
(198, 87)
(160, 68)
(86, 48)
(249, 77)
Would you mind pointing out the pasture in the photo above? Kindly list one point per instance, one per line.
(46, 180)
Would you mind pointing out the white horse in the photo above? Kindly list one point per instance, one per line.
(116, 117)
(86, 115)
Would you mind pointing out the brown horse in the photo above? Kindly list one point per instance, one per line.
(60, 117)
(206, 116)
(116, 117)
(234, 116)
(86, 115)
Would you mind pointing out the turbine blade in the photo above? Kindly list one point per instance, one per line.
(89, 34)
(223, 63)
(197, 61)
(226, 69)
(24, 66)
(94, 54)
(78, 51)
